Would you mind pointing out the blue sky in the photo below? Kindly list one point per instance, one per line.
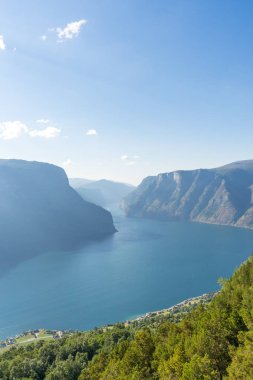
(125, 89)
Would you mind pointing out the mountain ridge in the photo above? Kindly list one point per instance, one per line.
(222, 195)
(102, 192)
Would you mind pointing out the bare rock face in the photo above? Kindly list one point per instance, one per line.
(246, 219)
(220, 196)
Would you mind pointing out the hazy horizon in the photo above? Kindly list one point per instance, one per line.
(124, 182)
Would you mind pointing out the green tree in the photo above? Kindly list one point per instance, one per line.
(241, 367)
(199, 368)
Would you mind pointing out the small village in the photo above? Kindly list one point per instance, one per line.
(178, 309)
(175, 312)
(31, 336)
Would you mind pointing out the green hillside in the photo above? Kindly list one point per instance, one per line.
(214, 341)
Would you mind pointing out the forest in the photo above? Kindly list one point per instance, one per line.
(214, 341)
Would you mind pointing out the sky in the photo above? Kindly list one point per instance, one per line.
(126, 89)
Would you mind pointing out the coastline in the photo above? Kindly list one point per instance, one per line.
(175, 312)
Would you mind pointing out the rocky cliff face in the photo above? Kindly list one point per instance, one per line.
(221, 196)
(39, 210)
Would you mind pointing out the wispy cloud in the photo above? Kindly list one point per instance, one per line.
(129, 160)
(71, 30)
(67, 32)
(91, 132)
(43, 121)
(12, 129)
(47, 133)
(2, 43)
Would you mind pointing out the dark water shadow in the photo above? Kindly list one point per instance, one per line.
(14, 252)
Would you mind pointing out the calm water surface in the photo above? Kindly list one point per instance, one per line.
(148, 265)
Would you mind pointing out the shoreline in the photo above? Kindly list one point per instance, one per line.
(180, 308)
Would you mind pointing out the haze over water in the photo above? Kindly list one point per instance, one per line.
(148, 265)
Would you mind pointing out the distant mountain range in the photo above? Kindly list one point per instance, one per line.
(40, 211)
(102, 192)
(222, 195)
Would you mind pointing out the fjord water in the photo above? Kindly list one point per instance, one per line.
(148, 265)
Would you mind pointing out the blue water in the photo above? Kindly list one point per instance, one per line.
(148, 265)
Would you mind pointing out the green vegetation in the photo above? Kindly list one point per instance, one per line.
(31, 336)
(173, 314)
(213, 341)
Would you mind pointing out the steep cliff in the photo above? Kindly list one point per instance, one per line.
(39, 210)
(221, 196)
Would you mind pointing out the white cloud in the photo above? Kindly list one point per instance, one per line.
(70, 30)
(43, 38)
(91, 132)
(12, 129)
(43, 121)
(47, 133)
(129, 160)
(2, 44)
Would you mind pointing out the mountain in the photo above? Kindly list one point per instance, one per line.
(102, 192)
(79, 182)
(39, 210)
(222, 195)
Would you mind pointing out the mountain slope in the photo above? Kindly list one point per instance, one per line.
(221, 196)
(39, 210)
(102, 192)
(212, 342)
